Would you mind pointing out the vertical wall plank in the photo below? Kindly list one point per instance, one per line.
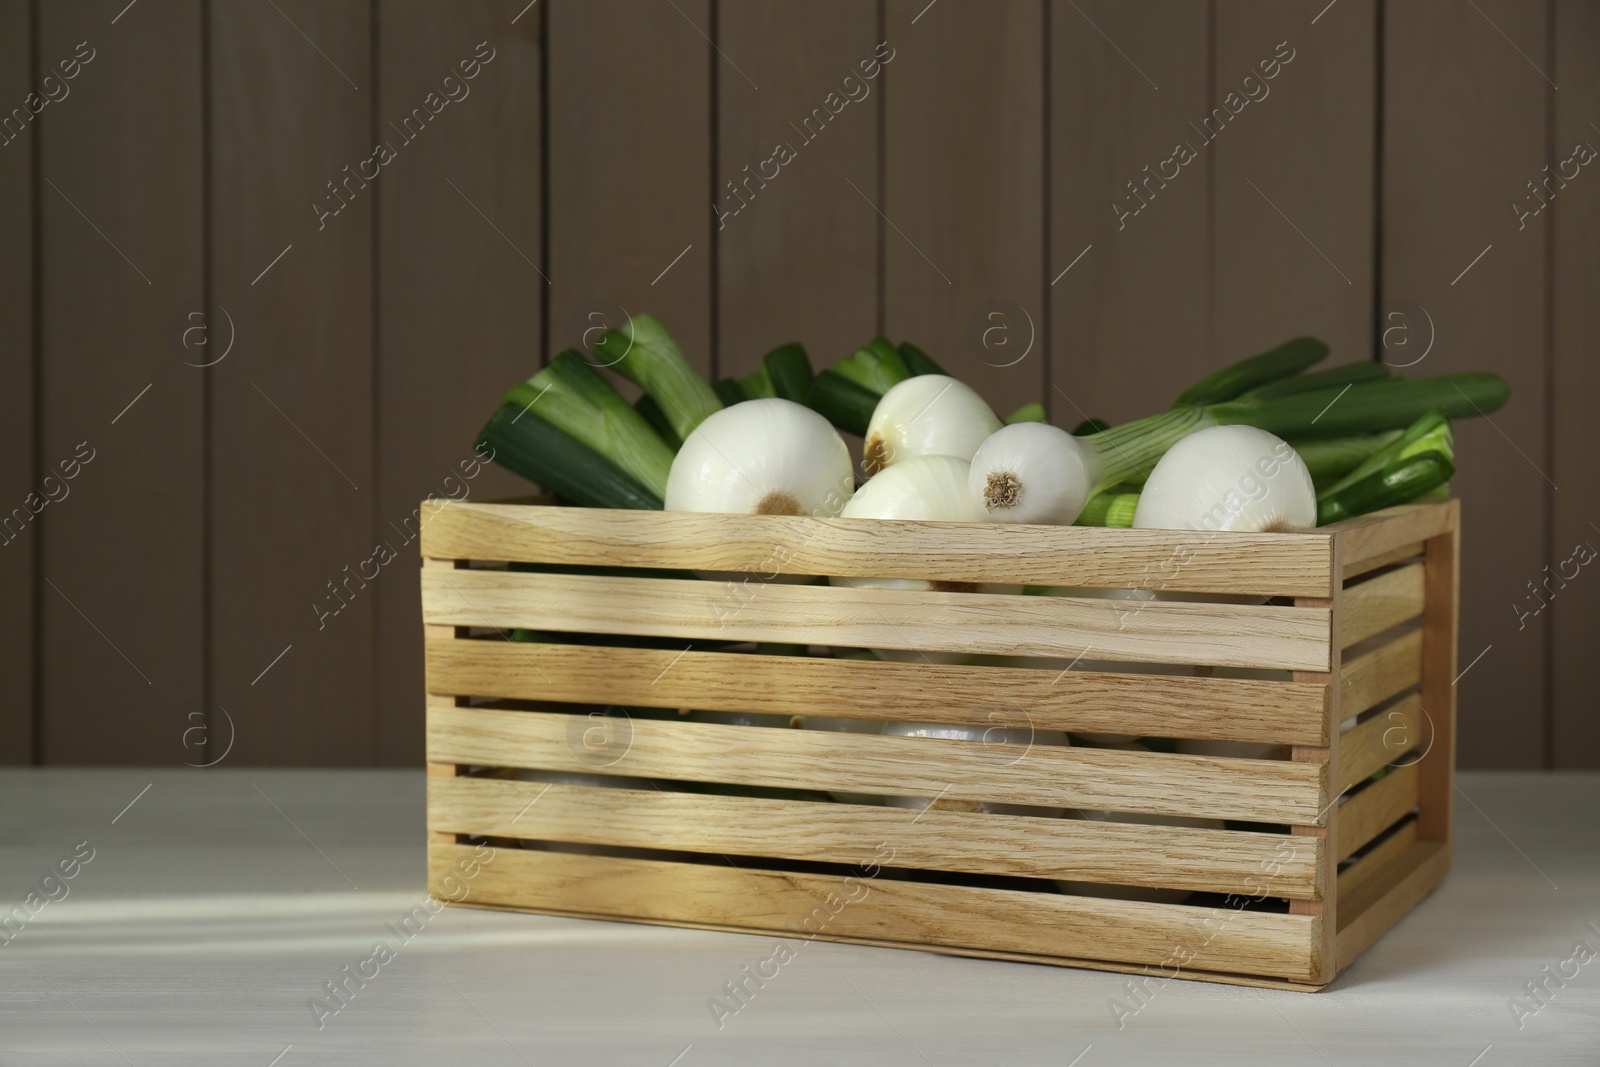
(459, 295)
(1307, 147)
(1132, 314)
(292, 468)
(1464, 130)
(798, 254)
(1576, 232)
(120, 200)
(17, 538)
(630, 167)
(963, 191)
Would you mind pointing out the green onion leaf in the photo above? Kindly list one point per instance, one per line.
(645, 354)
(1289, 358)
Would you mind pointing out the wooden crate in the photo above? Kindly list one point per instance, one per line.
(1363, 614)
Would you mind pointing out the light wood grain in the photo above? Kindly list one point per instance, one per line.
(1040, 774)
(1383, 559)
(482, 153)
(1410, 877)
(1142, 704)
(973, 623)
(1370, 537)
(766, 545)
(17, 372)
(1440, 640)
(1323, 907)
(781, 903)
(293, 451)
(1219, 861)
(1380, 673)
(1356, 881)
(1374, 605)
(1374, 809)
(1379, 741)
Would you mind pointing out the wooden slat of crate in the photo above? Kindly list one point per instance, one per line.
(1367, 537)
(1045, 775)
(1376, 808)
(1413, 874)
(1248, 564)
(1379, 741)
(1230, 709)
(1380, 673)
(1178, 857)
(1272, 945)
(1374, 605)
(1372, 563)
(1355, 883)
(1238, 635)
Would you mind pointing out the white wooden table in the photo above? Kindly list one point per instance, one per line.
(215, 908)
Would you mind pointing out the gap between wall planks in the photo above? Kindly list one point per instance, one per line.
(121, 586)
(1136, 310)
(17, 415)
(1459, 100)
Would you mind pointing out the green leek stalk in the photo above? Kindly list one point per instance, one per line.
(729, 391)
(757, 385)
(527, 445)
(645, 354)
(1129, 452)
(1089, 426)
(573, 397)
(1430, 433)
(1346, 374)
(876, 366)
(1111, 508)
(1334, 457)
(1401, 482)
(917, 361)
(1026, 413)
(789, 370)
(646, 405)
(842, 402)
(1233, 381)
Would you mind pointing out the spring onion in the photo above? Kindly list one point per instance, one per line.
(646, 405)
(917, 361)
(842, 402)
(1402, 481)
(1031, 472)
(1345, 374)
(1229, 478)
(929, 415)
(1430, 433)
(1115, 508)
(576, 399)
(1329, 459)
(528, 446)
(729, 391)
(1026, 413)
(876, 366)
(789, 370)
(763, 457)
(645, 353)
(1287, 359)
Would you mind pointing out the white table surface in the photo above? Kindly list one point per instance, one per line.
(216, 907)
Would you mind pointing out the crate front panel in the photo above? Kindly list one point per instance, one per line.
(1045, 697)
(1257, 565)
(1042, 775)
(881, 909)
(1234, 635)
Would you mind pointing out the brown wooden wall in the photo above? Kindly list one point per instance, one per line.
(183, 200)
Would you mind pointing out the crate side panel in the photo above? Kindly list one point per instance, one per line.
(1229, 709)
(716, 895)
(1178, 857)
(1243, 564)
(1380, 672)
(1040, 774)
(1236, 635)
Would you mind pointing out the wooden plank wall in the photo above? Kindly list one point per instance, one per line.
(371, 216)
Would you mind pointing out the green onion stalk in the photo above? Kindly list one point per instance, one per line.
(645, 353)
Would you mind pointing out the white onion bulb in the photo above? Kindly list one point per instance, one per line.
(929, 415)
(762, 457)
(1236, 478)
(1032, 472)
